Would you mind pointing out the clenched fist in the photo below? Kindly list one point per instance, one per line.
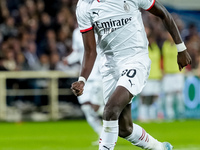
(183, 59)
(77, 88)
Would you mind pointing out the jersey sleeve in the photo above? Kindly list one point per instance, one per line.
(146, 4)
(83, 17)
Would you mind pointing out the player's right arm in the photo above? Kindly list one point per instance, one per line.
(160, 11)
(86, 28)
(88, 61)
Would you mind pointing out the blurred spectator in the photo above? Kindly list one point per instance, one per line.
(4, 10)
(51, 47)
(193, 45)
(45, 24)
(31, 56)
(64, 41)
(191, 31)
(31, 7)
(44, 62)
(21, 62)
(15, 44)
(8, 60)
(44, 66)
(40, 6)
(8, 28)
(54, 60)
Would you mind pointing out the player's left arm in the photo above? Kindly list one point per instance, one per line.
(160, 11)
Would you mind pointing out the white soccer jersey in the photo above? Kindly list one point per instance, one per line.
(78, 48)
(119, 26)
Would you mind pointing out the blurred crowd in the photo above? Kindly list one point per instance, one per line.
(37, 34)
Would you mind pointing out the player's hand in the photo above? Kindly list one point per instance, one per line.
(64, 60)
(183, 59)
(77, 88)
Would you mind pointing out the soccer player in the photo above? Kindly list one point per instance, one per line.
(92, 100)
(125, 63)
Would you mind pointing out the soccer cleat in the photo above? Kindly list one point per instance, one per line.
(167, 146)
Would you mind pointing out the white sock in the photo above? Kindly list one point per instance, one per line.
(141, 138)
(109, 135)
(92, 118)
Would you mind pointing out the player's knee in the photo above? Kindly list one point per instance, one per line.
(111, 112)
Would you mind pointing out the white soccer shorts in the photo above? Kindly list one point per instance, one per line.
(133, 78)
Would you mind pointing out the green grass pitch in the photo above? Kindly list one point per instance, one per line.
(77, 135)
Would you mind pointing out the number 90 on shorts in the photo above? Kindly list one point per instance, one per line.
(133, 79)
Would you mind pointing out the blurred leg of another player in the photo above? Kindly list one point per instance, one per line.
(92, 105)
(148, 109)
(173, 89)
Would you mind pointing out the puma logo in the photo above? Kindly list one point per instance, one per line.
(131, 83)
(95, 13)
(106, 147)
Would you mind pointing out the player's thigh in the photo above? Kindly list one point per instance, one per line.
(116, 103)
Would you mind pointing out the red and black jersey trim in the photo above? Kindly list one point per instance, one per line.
(151, 5)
